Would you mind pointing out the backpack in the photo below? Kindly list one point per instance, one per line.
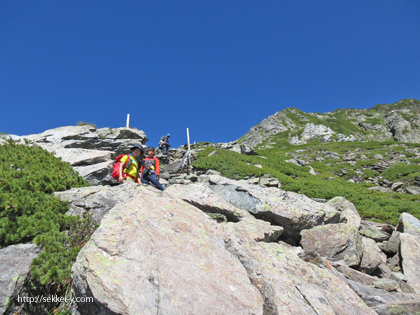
(116, 169)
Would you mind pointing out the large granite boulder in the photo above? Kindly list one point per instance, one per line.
(292, 211)
(338, 242)
(155, 253)
(243, 222)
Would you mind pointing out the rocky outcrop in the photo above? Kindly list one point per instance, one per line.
(337, 242)
(206, 247)
(158, 254)
(312, 131)
(290, 210)
(15, 262)
(90, 151)
(399, 122)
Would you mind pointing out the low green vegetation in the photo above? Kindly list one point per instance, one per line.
(30, 213)
(83, 123)
(332, 174)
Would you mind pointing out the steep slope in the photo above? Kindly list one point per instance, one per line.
(398, 122)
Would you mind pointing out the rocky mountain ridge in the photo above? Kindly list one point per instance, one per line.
(209, 244)
(398, 122)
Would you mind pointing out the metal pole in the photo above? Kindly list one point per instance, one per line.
(128, 120)
(188, 153)
(188, 138)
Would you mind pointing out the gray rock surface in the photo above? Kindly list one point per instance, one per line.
(338, 242)
(176, 253)
(292, 211)
(158, 254)
(372, 256)
(409, 224)
(348, 211)
(89, 150)
(410, 254)
(15, 263)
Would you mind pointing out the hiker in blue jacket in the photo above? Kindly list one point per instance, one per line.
(164, 145)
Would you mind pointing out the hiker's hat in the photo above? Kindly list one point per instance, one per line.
(137, 145)
(150, 149)
(168, 135)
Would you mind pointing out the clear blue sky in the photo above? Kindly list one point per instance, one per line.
(217, 67)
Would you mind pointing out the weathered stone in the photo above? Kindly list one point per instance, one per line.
(97, 174)
(312, 131)
(380, 189)
(253, 181)
(409, 224)
(391, 246)
(244, 223)
(291, 286)
(396, 186)
(394, 263)
(292, 211)
(157, 254)
(410, 254)
(338, 242)
(97, 200)
(375, 298)
(373, 231)
(386, 284)
(399, 307)
(383, 271)
(15, 263)
(91, 152)
(83, 157)
(192, 177)
(348, 212)
(371, 256)
(355, 275)
(413, 190)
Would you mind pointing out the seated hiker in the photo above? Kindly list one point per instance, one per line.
(129, 166)
(150, 169)
(164, 145)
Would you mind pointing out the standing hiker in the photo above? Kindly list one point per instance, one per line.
(129, 166)
(150, 169)
(164, 145)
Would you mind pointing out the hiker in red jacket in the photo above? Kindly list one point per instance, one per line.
(150, 169)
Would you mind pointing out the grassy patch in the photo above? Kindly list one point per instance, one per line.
(384, 207)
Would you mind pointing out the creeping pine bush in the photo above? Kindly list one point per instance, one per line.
(28, 211)
(383, 207)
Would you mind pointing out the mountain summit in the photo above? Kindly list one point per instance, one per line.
(399, 122)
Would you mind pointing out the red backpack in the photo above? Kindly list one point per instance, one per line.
(116, 169)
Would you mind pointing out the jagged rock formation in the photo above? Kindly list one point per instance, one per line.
(399, 122)
(162, 253)
(89, 150)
